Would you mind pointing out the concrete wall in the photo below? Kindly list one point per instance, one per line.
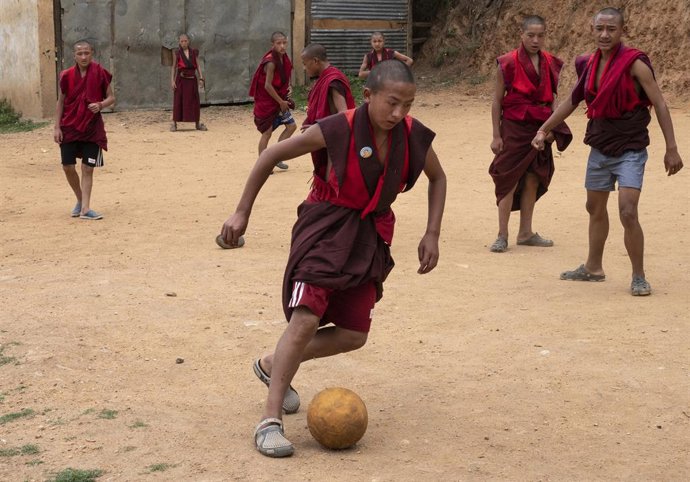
(27, 56)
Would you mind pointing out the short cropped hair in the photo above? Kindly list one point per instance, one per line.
(82, 42)
(315, 51)
(615, 12)
(378, 34)
(532, 20)
(388, 71)
(276, 35)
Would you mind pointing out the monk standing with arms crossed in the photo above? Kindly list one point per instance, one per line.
(617, 83)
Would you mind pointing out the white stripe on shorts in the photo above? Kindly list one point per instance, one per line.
(297, 292)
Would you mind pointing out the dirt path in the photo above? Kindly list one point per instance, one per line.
(489, 368)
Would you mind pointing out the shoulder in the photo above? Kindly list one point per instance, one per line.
(581, 63)
(506, 58)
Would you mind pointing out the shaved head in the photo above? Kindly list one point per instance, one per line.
(277, 35)
(82, 43)
(613, 12)
(533, 20)
(388, 71)
(315, 51)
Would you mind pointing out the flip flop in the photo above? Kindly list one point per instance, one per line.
(536, 240)
(581, 274)
(500, 245)
(201, 127)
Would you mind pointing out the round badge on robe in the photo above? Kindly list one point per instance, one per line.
(366, 152)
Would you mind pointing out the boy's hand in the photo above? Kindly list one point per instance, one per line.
(57, 134)
(672, 161)
(497, 145)
(428, 253)
(233, 228)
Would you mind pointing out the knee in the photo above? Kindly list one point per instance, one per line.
(353, 340)
(69, 168)
(291, 128)
(595, 209)
(628, 214)
(303, 323)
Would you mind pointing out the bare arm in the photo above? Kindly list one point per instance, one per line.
(363, 71)
(672, 160)
(428, 247)
(561, 113)
(173, 73)
(236, 224)
(59, 108)
(268, 85)
(338, 101)
(403, 58)
(496, 110)
(201, 75)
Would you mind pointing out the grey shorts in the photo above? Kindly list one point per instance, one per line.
(604, 171)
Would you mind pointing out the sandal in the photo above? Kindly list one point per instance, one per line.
(270, 440)
(536, 240)
(201, 127)
(291, 401)
(173, 128)
(640, 287)
(500, 245)
(581, 274)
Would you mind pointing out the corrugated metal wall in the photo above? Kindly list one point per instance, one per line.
(134, 38)
(344, 27)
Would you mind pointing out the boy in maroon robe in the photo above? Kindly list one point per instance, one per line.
(85, 90)
(379, 53)
(617, 83)
(340, 251)
(331, 91)
(186, 102)
(526, 86)
(270, 88)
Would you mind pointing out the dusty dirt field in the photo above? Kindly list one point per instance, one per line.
(488, 368)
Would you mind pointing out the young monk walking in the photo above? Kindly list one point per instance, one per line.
(331, 91)
(340, 251)
(183, 77)
(525, 93)
(379, 53)
(617, 83)
(85, 90)
(270, 88)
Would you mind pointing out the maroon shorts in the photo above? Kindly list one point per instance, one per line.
(351, 309)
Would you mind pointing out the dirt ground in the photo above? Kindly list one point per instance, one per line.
(488, 368)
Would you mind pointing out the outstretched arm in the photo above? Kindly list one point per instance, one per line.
(310, 141)
(428, 247)
(672, 161)
(564, 109)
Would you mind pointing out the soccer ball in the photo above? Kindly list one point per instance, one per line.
(337, 418)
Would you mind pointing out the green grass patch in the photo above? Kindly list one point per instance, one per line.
(28, 449)
(11, 120)
(159, 467)
(27, 412)
(4, 359)
(76, 475)
(88, 411)
(138, 424)
(34, 462)
(108, 414)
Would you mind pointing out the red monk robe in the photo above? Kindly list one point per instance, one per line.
(618, 114)
(525, 106)
(318, 105)
(265, 107)
(186, 103)
(78, 123)
(345, 226)
(373, 58)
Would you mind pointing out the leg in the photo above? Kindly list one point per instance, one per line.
(628, 199)
(73, 180)
(288, 356)
(598, 230)
(287, 133)
(528, 199)
(504, 207)
(263, 142)
(86, 185)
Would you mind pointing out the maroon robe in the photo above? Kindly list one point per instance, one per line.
(186, 102)
(265, 107)
(344, 229)
(373, 58)
(525, 106)
(618, 115)
(318, 105)
(78, 123)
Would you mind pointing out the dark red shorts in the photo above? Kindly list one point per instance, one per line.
(351, 309)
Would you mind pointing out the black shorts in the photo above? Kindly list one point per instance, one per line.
(91, 154)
